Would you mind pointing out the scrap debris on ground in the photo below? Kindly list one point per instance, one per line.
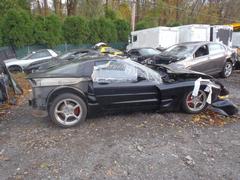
(16, 100)
(210, 117)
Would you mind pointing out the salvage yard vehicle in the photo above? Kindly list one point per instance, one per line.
(206, 57)
(68, 56)
(69, 92)
(140, 54)
(19, 65)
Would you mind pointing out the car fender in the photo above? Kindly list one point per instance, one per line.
(61, 89)
(14, 64)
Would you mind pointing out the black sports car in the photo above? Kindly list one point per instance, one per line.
(71, 91)
(68, 56)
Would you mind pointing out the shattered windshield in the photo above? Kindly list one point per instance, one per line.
(115, 71)
(26, 57)
(179, 51)
(149, 52)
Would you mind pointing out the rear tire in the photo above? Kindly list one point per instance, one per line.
(15, 69)
(227, 70)
(194, 105)
(67, 110)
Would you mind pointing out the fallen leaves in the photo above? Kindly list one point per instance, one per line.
(21, 80)
(211, 118)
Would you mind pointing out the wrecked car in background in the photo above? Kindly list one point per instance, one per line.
(206, 57)
(68, 56)
(19, 65)
(8, 86)
(140, 54)
(69, 92)
(105, 49)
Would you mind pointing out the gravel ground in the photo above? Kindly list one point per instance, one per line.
(124, 146)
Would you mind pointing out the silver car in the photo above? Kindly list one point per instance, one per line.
(19, 65)
(206, 57)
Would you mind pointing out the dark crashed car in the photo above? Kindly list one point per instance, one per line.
(140, 54)
(69, 92)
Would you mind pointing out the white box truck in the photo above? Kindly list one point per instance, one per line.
(167, 36)
(222, 34)
(153, 37)
(193, 32)
(236, 39)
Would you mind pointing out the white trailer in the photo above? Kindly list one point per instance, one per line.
(222, 34)
(193, 32)
(236, 39)
(167, 36)
(153, 37)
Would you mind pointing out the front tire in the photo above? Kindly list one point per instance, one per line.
(194, 105)
(227, 70)
(67, 110)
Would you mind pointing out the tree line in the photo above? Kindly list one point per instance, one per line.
(20, 27)
(51, 22)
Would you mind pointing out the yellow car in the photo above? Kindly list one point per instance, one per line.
(110, 50)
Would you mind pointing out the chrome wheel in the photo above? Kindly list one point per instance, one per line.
(228, 69)
(68, 112)
(196, 103)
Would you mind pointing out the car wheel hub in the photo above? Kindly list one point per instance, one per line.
(68, 112)
(228, 69)
(196, 103)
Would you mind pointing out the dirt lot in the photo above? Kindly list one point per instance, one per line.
(125, 146)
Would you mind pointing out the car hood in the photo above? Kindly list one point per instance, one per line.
(163, 59)
(10, 60)
(176, 70)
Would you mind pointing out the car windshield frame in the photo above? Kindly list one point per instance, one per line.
(152, 75)
(173, 51)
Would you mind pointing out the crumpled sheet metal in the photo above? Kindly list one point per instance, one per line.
(225, 107)
(208, 89)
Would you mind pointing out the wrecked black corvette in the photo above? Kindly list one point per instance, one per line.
(71, 91)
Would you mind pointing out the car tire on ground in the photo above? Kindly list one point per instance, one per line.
(67, 110)
(194, 105)
(227, 69)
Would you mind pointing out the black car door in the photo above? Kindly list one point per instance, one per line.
(120, 85)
